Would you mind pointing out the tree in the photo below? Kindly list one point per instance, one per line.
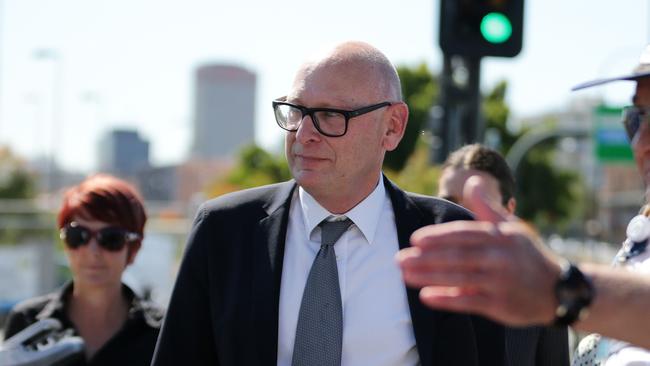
(255, 167)
(418, 175)
(15, 181)
(548, 196)
(419, 90)
(17, 185)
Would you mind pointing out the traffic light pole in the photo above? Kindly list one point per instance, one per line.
(461, 122)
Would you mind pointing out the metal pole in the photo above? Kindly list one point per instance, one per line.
(460, 99)
(56, 108)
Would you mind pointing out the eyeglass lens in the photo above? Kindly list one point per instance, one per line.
(632, 118)
(326, 122)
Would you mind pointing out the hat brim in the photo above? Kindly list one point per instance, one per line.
(630, 77)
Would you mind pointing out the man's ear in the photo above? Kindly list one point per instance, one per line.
(399, 115)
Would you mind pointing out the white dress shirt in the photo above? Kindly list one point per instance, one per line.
(377, 326)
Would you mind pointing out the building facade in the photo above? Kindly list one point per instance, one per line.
(224, 111)
(123, 153)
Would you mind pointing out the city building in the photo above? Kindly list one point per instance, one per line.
(123, 153)
(224, 111)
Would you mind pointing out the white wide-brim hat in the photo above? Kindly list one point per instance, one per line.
(641, 71)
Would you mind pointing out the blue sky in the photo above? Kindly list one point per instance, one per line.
(129, 63)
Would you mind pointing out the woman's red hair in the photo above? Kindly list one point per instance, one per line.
(104, 198)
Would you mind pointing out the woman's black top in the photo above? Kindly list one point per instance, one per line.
(133, 344)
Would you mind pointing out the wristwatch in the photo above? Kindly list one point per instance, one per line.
(574, 292)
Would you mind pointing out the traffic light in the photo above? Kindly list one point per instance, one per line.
(478, 28)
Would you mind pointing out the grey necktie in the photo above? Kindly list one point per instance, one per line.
(319, 333)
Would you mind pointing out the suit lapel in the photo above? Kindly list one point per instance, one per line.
(268, 252)
(408, 218)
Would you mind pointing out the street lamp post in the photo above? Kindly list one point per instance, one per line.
(52, 55)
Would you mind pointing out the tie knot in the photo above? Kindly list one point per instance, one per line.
(331, 231)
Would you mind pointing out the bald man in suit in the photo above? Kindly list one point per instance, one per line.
(241, 288)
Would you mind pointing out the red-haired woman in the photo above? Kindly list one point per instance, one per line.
(101, 223)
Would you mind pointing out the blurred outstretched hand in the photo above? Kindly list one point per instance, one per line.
(495, 266)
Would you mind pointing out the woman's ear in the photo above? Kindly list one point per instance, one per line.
(133, 249)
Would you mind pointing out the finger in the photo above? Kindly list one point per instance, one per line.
(456, 258)
(455, 233)
(476, 198)
(461, 279)
(473, 302)
(454, 299)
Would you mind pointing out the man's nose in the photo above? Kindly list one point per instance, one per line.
(307, 130)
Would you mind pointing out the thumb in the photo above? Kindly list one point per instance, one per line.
(476, 199)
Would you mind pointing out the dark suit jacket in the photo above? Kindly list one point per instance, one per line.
(224, 306)
(537, 346)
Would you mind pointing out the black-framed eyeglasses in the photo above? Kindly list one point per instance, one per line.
(110, 238)
(632, 118)
(328, 121)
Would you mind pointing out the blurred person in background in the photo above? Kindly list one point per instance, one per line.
(101, 223)
(535, 345)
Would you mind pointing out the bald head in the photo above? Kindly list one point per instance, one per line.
(363, 62)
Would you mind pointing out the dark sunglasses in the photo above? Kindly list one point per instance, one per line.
(632, 119)
(109, 238)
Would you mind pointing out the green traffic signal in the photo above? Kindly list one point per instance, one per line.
(496, 28)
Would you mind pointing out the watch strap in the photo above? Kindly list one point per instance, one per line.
(574, 292)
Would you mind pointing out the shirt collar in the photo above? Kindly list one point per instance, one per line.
(365, 215)
(138, 308)
(56, 306)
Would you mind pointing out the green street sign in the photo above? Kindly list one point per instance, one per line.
(610, 141)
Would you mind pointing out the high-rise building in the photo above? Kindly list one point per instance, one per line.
(123, 153)
(224, 110)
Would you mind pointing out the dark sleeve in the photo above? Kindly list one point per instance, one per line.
(187, 337)
(490, 341)
(16, 321)
(553, 347)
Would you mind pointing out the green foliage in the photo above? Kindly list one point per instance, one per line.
(15, 181)
(17, 188)
(418, 175)
(258, 167)
(496, 113)
(255, 167)
(419, 90)
(548, 196)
